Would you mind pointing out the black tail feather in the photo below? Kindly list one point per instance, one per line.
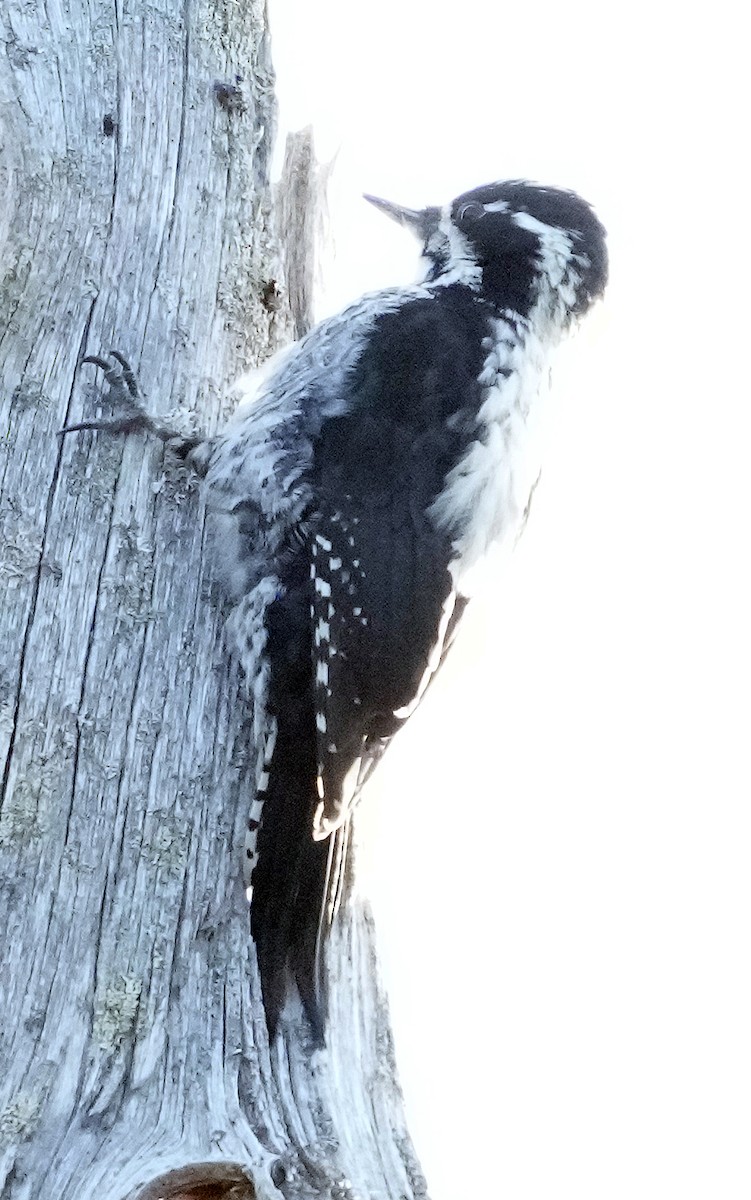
(289, 879)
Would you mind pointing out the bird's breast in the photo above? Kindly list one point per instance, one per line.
(486, 494)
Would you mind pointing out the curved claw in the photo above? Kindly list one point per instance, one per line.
(128, 373)
(98, 362)
(128, 424)
(117, 376)
(124, 391)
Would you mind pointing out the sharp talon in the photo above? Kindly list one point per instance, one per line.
(128, 373)
(122, 361)
(133, 423)
(73, 428)
(114, 374)
(98, 362)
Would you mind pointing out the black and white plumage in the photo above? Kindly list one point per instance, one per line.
(379, 461)
(372, 468)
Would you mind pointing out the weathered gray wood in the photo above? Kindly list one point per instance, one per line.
(135, 211)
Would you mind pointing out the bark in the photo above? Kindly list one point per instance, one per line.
(134, 1062)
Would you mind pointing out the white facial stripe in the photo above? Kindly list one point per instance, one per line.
(556, 247)
(525, 221)
(464, 269)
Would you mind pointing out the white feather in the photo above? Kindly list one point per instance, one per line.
(487, 493)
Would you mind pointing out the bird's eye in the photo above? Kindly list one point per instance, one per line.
(471, 211)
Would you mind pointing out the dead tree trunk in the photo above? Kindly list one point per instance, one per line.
(136, 212)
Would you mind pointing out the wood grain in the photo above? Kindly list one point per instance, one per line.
(136, 213)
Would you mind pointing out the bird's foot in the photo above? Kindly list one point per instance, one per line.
(124, 394)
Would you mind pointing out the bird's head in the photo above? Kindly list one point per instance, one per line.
(515, 243)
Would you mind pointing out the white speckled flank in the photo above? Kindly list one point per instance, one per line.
(246, 627)
(255, 816)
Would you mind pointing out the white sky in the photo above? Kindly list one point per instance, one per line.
(559, 846)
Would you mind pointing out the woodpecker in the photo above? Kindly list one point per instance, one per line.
(366, 476)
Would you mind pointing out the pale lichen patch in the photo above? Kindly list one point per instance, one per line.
(115, 1011)
(22, 818)
(20, 1117)
(20, 545)
(168, 848)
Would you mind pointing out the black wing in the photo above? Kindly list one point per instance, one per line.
(367, 611)
(384, 605)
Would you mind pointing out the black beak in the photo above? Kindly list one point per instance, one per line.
(416, 220)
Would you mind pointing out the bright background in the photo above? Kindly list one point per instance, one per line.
(558, 853)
